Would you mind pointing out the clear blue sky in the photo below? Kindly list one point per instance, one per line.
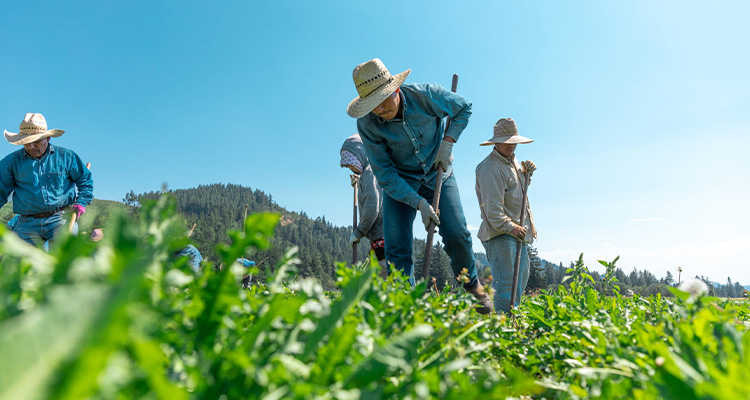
(639, 109)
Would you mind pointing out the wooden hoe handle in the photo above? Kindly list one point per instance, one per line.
(436, 201)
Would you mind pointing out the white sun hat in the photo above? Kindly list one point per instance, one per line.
(506, 132)
(374, 84)
(33, 128)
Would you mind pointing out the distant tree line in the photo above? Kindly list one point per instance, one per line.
(729, 289)
(548, 275)
(217, 208)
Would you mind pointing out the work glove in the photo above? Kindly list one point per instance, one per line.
(444, 157)
(78, 209)
(354, 178)
(353, 239)
(428, 213)
(529, 166)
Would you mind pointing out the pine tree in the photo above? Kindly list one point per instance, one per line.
(729, 288)
(549, 272)
(559, 273)
(669, 279)
(537, 280)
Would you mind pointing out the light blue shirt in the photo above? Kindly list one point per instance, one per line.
(13, 221)
(402, 151)
(45, 184)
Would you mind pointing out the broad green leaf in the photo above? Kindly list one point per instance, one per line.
(679, 293)
(351, 294)
(400, 354)
(151, 358)
(334, 352)
(34, 345)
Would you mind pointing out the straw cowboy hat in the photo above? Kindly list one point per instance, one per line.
(506, 132)
(33, 128)
(374, 84)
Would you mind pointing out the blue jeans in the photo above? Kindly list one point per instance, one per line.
(40, 230)
(398, 221)
(501, 253)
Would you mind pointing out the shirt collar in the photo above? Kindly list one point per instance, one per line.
(50, 149)
(502, 157)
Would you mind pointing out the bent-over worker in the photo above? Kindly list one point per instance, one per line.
(401, 126)
(369, 197)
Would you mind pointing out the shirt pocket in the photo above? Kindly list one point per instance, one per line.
(425, 130)
(56, 181)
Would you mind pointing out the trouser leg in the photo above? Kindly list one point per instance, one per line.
(398, 219)
(453, 230)
(29, 229)
(378, 246)
(501, 253)
(52, 226)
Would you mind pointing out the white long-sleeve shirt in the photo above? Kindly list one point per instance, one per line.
(500, 193)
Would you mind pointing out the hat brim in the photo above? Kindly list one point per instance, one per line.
(515, 139)
(360, 107)
(21, 139)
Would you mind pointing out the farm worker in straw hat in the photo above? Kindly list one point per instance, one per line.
(402, 129)
(45, 180)
(500, 181)
(369, 196)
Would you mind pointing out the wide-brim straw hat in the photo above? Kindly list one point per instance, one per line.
(506, 132)
(374, 84)
(33, 128)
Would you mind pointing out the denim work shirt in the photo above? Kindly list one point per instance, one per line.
(402, 151)
(44, 184)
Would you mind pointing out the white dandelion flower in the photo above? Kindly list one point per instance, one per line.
(694, 287)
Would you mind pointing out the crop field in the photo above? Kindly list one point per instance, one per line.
(122, 319)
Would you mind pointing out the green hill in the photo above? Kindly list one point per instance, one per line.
(217, 208)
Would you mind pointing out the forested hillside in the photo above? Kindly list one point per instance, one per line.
(216, 208)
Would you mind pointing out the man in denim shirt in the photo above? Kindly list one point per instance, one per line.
(402, 129)
(44, 180)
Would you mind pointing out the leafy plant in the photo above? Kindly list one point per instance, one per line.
(122, 318)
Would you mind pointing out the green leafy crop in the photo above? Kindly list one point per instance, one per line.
(124, 319)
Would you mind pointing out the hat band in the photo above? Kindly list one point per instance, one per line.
(390, 79)
(381, 74)
(32, 130)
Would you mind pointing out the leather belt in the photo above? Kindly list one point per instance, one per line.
(46, 214)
